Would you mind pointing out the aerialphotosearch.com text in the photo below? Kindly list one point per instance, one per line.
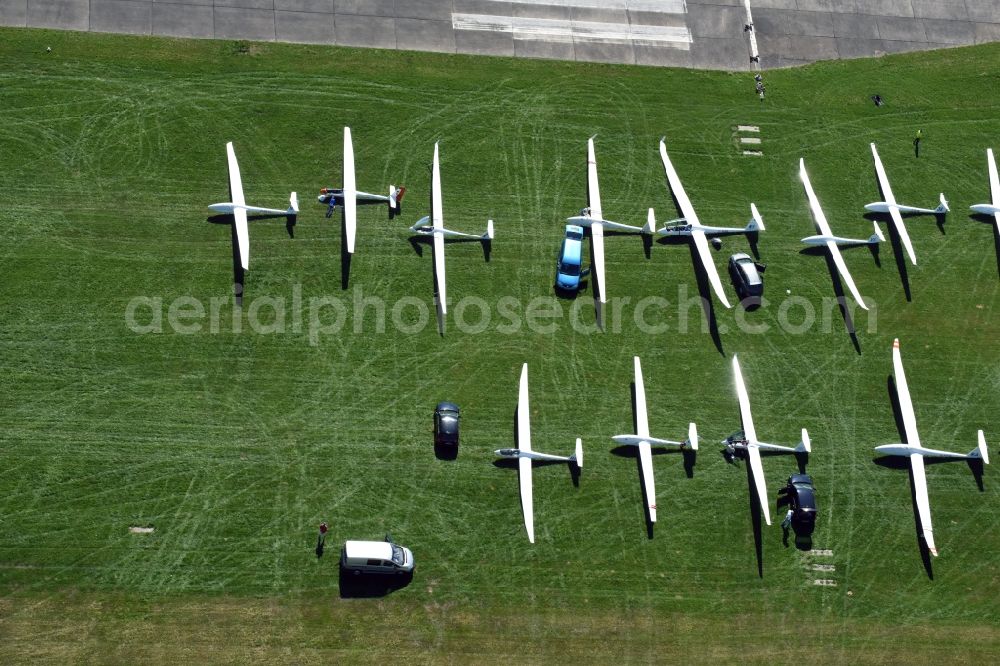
(355, 312)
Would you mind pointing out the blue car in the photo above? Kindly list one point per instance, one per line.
(569, 265)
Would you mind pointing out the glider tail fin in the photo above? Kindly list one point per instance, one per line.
(489, 230)
(876, 237)
(692, 440)
(805, 446)
(980, 451)
(293, 204)
(650, 225)
(577, 456)
(756, 221)
(395, 200)
(943, 208)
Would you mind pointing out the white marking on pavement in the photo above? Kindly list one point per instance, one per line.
(652, 6)
(554, 30)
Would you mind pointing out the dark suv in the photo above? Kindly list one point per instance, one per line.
(800, 497)
(446, 424)
(746, 276)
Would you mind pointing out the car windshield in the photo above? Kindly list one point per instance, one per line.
(569, 269)
(397, 555)
(806, 498)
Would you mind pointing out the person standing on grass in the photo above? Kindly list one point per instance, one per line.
(323, 528)
(916, 143)
(785, 525)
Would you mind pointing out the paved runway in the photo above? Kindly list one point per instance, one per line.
(705, 34)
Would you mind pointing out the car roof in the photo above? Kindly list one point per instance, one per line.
(749, 268)
(572, 251)
(368, 550)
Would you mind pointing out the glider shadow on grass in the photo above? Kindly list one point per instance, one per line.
(239, 275)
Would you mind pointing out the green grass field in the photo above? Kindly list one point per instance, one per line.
(235, 444)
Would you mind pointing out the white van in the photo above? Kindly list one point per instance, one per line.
(377, 557)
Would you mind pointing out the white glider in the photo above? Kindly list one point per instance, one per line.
(751, 447)
(916, 452)
(894, 209)
(238, 208)
(688, 225)
(434, 226)
(525, 455)
(349, 197)
(832, 242)
(350, 191)
(642, 440)
(593, 216)
(994, 207)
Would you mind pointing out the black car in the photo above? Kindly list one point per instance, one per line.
(446, 424)
(746, 276)
(800, 497)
